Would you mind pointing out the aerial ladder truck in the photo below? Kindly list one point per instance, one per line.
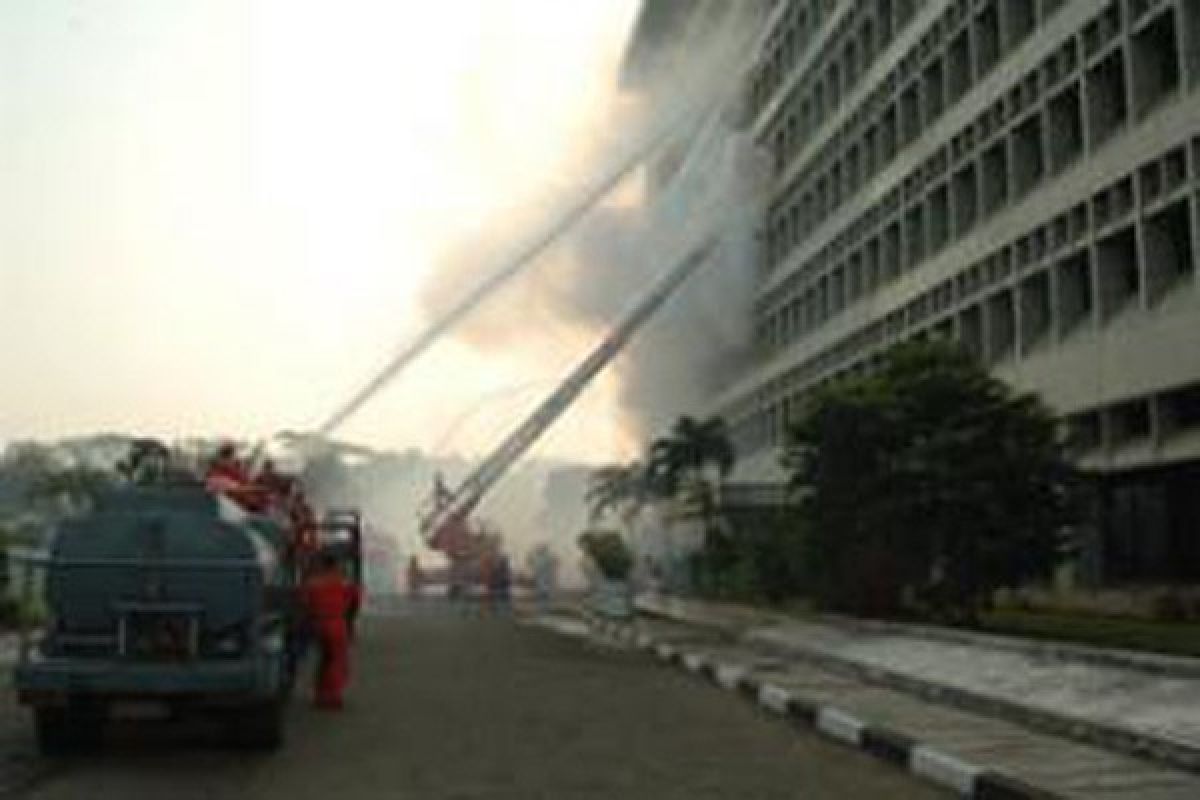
(446, 526)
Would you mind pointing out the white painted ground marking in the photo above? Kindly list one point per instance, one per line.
(775, 698)
(561, 625)
(944, 769)
(840, 725)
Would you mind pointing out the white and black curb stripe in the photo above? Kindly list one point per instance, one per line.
(943, 769)
(927, 762)
(837, 724)
(730, 676)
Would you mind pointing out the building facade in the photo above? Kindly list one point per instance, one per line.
(1020, 176)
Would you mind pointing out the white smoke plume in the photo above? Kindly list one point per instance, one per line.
(603, 264)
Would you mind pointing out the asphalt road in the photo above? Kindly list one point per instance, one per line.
(447, 706)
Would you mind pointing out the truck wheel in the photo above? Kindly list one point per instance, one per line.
(258, 727)
(78, 727)
(52, 728)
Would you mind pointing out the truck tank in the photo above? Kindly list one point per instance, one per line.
(162, 548)
(169, 595)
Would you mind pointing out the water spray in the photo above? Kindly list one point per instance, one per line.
(527, 254)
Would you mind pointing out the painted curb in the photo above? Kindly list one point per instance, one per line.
(923, 761)
(943, 769)
(1139, 744)
(730, 676)
(837, 724)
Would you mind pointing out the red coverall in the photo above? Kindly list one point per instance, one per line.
(329, 598)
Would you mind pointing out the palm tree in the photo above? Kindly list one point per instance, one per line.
(617, 487)
(689, 450)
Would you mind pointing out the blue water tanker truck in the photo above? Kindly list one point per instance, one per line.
(163, 596)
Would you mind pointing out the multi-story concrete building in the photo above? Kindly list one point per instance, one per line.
(1022, 176)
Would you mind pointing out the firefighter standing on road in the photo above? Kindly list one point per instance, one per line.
(330, 600)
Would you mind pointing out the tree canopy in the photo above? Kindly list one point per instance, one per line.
(688, 449)
(623, 488)
(931, 477)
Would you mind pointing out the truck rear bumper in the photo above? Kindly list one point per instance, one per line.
(52, 680)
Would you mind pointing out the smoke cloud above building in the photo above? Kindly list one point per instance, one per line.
(601, 265)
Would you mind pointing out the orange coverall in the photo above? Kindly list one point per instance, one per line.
(329, 598)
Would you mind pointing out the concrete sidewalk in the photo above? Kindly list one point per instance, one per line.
(976, 754)
(1141, 704)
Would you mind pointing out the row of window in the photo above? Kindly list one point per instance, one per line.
(1141, 420)
(946, 197)
(1127, 247)
(884, 125)
(959, 49)
(861, 37)
(1155, 417)
(1158, 188)
(1159, 417)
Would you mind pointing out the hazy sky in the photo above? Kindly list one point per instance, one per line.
(215, 214)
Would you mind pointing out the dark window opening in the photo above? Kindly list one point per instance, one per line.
(995, 178)
(1074, 291)
(970, 331)
(1002, 326)
(958, 67)
(987, 38)
(866, 39)
(966, 200)
(1169, 255)
(1156, 70)
(1064, 117)
(1035, 310)
(872, 277)
(1107, 99)
(1182, 408)
(869, 153)
(910, 114)
(883, 13)
(1175, 169)
(1027, 161)
(935, 91)
(939, 218)
(914, 237)
(1021, 20)
(1130, 421)
(1117, 272)
(891, 251)
(887, 136)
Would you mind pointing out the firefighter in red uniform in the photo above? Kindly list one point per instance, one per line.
(226, 473)
(229, 477)
(330, 600)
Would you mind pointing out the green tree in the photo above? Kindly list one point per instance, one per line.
(688, 451)
(929, 476)
(69, 489)
(5, 543)
(683, 462)
(623, 488)
(608, 551)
